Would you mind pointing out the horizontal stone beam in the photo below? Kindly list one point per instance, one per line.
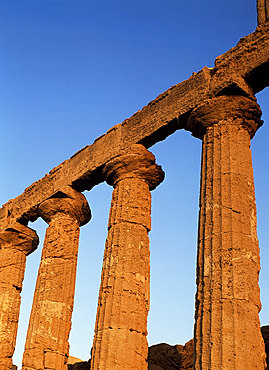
(242, 70)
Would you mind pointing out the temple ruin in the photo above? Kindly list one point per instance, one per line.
(218, 106)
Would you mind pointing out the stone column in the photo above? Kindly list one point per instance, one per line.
(227, 328)
(262, 11)
(16, 242)
(50, 322)
(120, 341)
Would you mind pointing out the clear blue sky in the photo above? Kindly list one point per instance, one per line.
(70, 70)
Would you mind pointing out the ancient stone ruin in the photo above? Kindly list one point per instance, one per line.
(217, 105)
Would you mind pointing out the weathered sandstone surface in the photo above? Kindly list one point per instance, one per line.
(16, 242)
(120, 340)
(166, 357)
(227, 327)
(47, 344)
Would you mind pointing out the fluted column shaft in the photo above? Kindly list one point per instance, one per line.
(227, 328)
(16, 242)
(50, 322)
(120, 340)
(262, 11)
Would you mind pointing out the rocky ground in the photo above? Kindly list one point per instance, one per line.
(165, 357)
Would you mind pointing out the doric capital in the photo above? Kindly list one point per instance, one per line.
(67, 201)
(20, 237)
(234, 109)
(136, 162)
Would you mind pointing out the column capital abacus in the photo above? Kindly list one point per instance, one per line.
(136, 162)
(20, 237)
(234, 109)
(68, 202)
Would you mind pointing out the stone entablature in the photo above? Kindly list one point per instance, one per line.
(243, 70)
